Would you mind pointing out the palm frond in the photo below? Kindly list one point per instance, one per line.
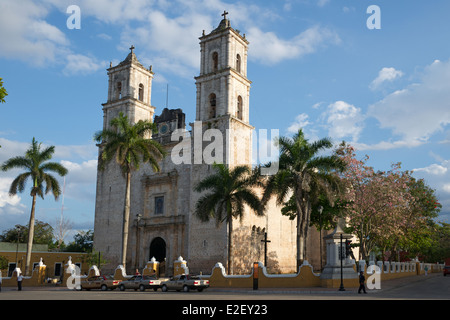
(54, 167)
(18, 184)
(16, 163)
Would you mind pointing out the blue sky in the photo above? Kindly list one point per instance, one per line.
(313, 64)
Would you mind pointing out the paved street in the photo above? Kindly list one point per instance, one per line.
(225, 303)
(434, 286)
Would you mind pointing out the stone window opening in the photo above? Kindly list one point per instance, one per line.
(215, 60)
(239, 108)
(159, 205)
(119, 90)
(238, 63)
(212, 105)
(141, 92)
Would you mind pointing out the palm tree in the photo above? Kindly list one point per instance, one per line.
(36, 167)
(128, 144)
(302, 176)
(230, 191)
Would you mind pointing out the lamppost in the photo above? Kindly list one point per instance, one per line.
(320, 236)
(17, 246)
(341, 257)
(138, 219)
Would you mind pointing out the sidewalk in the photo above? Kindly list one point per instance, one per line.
(385, 286)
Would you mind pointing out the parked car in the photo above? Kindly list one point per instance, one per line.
(141, 283)
(446, 270)
(100, 282)
(184, 282)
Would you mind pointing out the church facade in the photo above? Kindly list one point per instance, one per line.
(162, 220)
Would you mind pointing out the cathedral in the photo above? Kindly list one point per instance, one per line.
(162, 221)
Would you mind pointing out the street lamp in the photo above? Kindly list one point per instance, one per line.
(18, 240)
(341, 257)
(138, 219)
(320, 236)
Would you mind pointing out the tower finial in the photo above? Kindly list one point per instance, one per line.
(224, 14)
(132, 48)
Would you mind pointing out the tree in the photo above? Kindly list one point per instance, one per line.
(419, 234)
(229, 191)
(128, 144)
(36, 165)
(4, 263)
(14, 234)
(62, 227)
(303, 174)
(440, 250)
(385, 209)
(3, 92)
(83, 242)
(43, 234)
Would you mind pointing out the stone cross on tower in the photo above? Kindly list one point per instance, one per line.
(132, 48)
(224, 14)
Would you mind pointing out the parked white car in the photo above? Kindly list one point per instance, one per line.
(185, 282)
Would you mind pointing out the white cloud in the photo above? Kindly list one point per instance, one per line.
(26, 35)
(446, 187)
(301, 121)
(5, 199)
(435, 169)
(419, 110)
(344, 120)
(108, 11)
(85, 172)
(388, 145)
(322, 3)
(268, 48)
(10, 206)
(385, 75)
(81, 64)
(166, 31)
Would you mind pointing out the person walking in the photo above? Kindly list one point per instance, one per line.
(361, 282)
(19, 281)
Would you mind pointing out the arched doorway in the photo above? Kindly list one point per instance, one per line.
(158, 249)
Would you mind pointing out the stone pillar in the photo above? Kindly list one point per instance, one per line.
(152, 268)
(38, 274)
(362, 265)
(331, 274)
(380, 265)
(387, 267)
(180, 266)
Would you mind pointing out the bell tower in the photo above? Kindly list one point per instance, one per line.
(129, 91)
(223, 90)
